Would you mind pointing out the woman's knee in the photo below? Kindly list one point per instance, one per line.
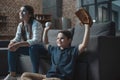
(36, 46)
(11, 52)
(38, 49)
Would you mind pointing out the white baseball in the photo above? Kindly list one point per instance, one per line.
(48, 24)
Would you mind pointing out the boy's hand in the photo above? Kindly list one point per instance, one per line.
(48, 25)
(84, 17)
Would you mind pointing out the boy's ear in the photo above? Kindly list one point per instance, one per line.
(70, 40)
(72, 31)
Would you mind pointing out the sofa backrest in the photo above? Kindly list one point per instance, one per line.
(97, 29)
(103, 29)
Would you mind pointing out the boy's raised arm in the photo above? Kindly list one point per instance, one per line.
(84, 43)
(86, 20)
(45, 34)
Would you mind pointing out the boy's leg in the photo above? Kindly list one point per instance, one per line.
(51, 79)
(32, 76)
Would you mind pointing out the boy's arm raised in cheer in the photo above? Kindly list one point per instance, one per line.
(84, 43)
(45, 34)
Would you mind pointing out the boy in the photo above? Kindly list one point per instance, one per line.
(63, 56)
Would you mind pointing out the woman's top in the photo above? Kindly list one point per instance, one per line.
(37, 30)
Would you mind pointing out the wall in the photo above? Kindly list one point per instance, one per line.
(52, 7)
(58, 9)
(69, 8)
(10, 8)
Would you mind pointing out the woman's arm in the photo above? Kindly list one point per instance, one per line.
(84, 43)
(17, 37)
(13, 46)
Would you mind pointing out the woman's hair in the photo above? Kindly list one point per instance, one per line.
(67, 33)
(30, 22)
(31, 12)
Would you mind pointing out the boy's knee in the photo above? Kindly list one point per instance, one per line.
(25, 74)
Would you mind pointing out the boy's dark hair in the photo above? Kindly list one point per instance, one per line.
(66, 33)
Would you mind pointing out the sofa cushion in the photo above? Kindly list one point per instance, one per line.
(103, 29)
(97, 29)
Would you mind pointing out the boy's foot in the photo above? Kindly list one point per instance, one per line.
(84, 16)
(9, 77)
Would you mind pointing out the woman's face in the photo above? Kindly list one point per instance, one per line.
(62, 41)
(23, 14)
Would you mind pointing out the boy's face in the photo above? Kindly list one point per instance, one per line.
(62, 41)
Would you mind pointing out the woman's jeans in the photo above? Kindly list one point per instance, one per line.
(33, 51)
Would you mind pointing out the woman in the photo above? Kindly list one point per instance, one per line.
(27, 41)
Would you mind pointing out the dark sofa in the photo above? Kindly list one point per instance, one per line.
(100, 61)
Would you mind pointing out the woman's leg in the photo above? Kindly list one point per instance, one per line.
(35, 51)
(12, 59)
(32, 76)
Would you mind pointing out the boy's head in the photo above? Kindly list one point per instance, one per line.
(64, 38)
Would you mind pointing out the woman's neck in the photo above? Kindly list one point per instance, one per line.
(26, 20)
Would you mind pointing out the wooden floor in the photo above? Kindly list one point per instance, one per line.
(2, 77)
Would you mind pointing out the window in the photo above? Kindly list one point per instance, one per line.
(102, 10)
(99, 9)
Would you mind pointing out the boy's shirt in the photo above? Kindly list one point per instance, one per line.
(63, 62)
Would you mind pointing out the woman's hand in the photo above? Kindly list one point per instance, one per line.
(13, 46)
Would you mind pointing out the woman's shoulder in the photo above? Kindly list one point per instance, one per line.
(36, 21)
(20, 24)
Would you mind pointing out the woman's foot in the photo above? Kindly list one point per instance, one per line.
(9, 77)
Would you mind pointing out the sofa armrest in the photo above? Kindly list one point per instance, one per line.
(103, 58)
(4, 43)
(109, 58)
(3, 57)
